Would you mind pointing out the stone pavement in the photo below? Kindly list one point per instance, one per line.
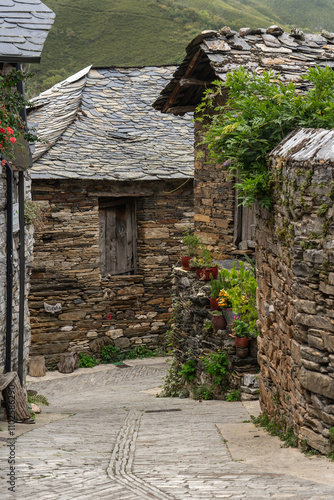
(109, 437)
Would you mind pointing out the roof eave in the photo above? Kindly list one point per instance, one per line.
(20, 59)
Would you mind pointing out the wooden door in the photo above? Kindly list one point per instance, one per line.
(118, 236)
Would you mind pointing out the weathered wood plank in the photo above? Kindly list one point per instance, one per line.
(5, 379)
(177, 88)
(110, 241)
(188, 82)
(14, 395)
(118, 235)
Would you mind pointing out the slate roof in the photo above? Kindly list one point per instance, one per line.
(213, 54)
(101, 125)
(24, 26)
(307, 145)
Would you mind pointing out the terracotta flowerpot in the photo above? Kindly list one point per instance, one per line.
(241, 342)
(185, 259)
(218, 322)
(214, 304)
(204, 273)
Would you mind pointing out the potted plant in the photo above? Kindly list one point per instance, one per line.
(215, 286)
(191, 242)
(225, 302)
(204, 264)
(218, 320)
(240, 332)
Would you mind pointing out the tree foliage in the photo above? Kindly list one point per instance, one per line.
(259, 112)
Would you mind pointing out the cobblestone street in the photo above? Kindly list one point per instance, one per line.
(114, 439)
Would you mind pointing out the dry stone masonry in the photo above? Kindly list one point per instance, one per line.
(107, 147)
(214, 201)
(88, 311)
(295, 262)
(193, 339)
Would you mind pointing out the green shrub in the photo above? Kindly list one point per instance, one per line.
(191, 242)
(173, 384)
(242, 292)
(188, 370)
(110, 354)
(259, 112)
(203, 392)
(277, 428)
(234, 395)
(141, 351)
(87, 361)
(216, 365)
(331, 435)
(37, 399)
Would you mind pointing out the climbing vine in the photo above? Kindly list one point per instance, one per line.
(259, 112)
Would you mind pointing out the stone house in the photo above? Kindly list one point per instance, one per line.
(24, 27)
(115, 181)
(227, 227)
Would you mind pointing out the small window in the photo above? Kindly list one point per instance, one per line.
(118, 236)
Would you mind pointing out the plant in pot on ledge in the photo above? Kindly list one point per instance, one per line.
(215, 287)
(225, 303)
(218, 320)
(240, 332)
(191, 242)
(204, 264)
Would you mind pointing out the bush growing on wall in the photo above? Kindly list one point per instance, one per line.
(259, 112)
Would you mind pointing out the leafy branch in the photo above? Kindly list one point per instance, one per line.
(259, 112)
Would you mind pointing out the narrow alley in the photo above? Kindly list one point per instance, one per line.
(107, 435)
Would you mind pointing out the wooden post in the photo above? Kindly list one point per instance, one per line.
(68, 362)
(37, 366)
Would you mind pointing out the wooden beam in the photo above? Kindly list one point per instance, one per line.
(189, 82)
(181, 110)
(177, 88)
(121, 194)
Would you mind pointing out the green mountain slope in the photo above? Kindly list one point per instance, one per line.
(155, 32)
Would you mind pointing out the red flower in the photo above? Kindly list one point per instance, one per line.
(12, 139)
(9, 130)
(2, 131)
(3, 162)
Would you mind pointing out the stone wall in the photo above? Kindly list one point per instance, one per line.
(16, 282)
(295, 262)
(192, 339)
(124, 310)
(213, 201)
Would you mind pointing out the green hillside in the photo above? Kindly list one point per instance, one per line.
(155, 32)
